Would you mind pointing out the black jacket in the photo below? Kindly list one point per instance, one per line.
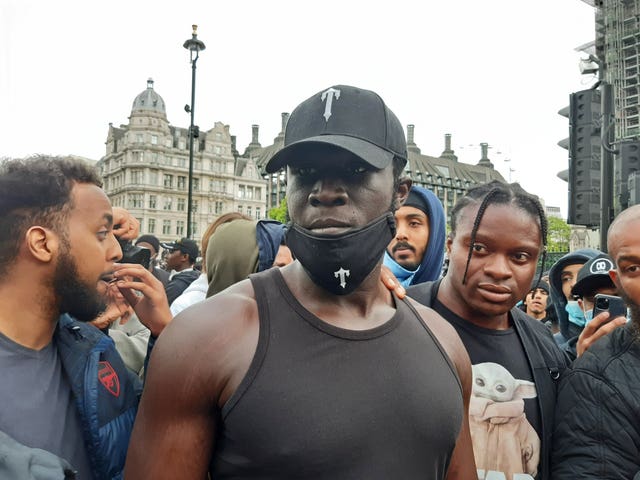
(597, 428)
(179, 283)
(546, 360)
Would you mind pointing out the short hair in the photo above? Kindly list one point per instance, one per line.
(37, 191)
(499, 193)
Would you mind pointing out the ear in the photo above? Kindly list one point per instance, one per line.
(403, 190)
(613, 274)
(581, 304)
(525, 389)
(42, 243)
(449, 243)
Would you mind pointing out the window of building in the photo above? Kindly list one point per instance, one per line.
(180, 205)
(239, 208)
(139, 138)
(168, 203)
(196, 184)
(218, 136)
(166, 227)
(249, 211)
(182, 183)
(250, 192)
(241, 191)
(182, 162)
(151, 225)
(194, 228)
(194, 206)
(216, 150)
(179, 228)
(168, 181)
(154, 139)
(153, 201)
(134, 200)
(153, 177)
(219, 208)
(258, 213)
(136, 177)
(257, 194)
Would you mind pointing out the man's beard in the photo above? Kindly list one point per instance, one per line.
(634, 309)
(404, 264)
(81, 301)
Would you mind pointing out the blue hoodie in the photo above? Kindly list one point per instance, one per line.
(568, 331)
(431, 264)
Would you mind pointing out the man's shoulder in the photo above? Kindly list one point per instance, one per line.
(422, 292)
(187, 275)
(221, 311)
(619, 350)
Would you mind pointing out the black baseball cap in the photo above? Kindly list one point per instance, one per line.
(185, 245)
(594, 275)
(350, 118)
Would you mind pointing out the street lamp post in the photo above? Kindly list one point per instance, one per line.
(194, 46)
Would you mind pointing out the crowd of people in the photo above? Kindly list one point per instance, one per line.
(336, 346)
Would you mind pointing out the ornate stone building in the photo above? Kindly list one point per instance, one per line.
(146, 170)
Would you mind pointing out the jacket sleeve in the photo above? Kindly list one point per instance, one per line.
(594, 435)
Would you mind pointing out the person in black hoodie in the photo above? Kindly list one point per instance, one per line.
(562, 277)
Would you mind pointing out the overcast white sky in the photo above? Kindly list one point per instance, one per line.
(494, 71)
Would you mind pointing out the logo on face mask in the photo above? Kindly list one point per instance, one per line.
(342, 274)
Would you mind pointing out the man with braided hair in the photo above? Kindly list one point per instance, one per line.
(498, 232)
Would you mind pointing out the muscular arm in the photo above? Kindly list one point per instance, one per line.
(462, 464)
(196, 365)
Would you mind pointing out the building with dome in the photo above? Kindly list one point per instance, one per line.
(146, 168)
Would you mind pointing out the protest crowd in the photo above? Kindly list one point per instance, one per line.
(331, 347)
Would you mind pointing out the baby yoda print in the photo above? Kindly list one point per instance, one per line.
(503, 439)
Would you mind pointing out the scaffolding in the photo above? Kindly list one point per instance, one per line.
(618, 42)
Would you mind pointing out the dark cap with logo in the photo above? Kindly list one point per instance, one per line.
(185, 245)
(594, 275)
(347, 117)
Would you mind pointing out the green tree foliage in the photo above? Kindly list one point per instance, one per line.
(558, 235)
(280, 212)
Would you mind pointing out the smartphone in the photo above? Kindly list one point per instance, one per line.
(609, 303)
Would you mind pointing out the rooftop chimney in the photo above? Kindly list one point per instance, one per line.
(411, 146)
(254, 134)
(448, 152)
(484, 161)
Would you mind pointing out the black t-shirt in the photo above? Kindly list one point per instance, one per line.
(502, 380)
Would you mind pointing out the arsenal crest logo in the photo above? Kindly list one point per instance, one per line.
(108, 378)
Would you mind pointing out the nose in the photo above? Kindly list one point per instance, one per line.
(401, 233)
(114, 252)
(498, 267)
(329, 192)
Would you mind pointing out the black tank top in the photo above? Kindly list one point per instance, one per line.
(322, 402)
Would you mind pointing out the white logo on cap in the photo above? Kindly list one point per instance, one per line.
(329, 95)
(602, 265)
(343, 274)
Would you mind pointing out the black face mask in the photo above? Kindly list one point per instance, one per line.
(340, 263)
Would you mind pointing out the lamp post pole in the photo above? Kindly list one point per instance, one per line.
(194, 46)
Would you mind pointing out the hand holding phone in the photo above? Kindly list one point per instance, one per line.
(609, 303)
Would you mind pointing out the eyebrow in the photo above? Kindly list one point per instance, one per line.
(628, 258)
